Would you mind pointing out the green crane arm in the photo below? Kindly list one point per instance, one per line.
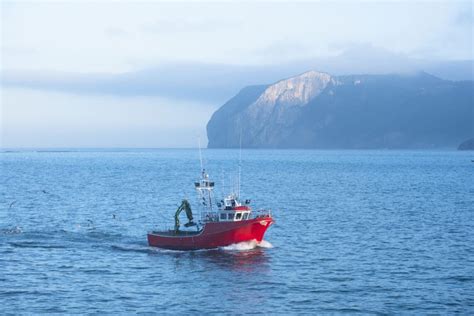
(189, 214)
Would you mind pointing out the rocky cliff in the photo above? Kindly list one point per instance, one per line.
(317, 110)
(467, 145)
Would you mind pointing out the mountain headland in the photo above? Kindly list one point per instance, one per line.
(318, 110)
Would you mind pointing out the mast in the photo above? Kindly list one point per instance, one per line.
(240, 163)
(204, 186)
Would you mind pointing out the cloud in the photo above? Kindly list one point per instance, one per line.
(144, 33)
(288, 49)
(465, 16)
(185, 81)
(15, 50)
(216, 83)
(32, 118)
(117, 32)
(180, 25)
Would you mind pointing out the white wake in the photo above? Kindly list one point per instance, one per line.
(248, 245)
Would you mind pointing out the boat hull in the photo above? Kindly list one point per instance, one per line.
(213, 235)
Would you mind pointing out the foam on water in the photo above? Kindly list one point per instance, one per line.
(265, 244)
(11, 231)
(248, 245)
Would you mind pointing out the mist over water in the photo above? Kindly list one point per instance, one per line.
(355, 231)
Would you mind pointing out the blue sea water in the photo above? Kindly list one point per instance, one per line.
(377, 232)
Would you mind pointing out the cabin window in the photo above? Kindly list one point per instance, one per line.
(231, 216)
(223, 216)
(246, 215)
(238, 216)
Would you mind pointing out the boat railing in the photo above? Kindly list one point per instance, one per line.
(161, 228)
(262, 213)
(209, 217)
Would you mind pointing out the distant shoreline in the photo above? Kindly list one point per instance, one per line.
(151, 149)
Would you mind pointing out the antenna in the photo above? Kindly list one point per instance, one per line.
(200, 153)
(223, 182)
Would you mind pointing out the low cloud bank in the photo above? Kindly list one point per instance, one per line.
(218, 82)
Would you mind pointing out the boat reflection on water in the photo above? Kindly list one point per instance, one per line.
(248, 260)
(256, 259)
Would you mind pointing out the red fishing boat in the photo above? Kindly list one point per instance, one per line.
(226, 222)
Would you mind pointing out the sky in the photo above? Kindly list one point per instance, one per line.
(151, 73)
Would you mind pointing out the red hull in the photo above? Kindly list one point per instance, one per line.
(213, 235)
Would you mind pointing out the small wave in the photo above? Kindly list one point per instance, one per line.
(34, 244)
(131, 248)
(92, 233)
(248, 245)
(459, 278)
